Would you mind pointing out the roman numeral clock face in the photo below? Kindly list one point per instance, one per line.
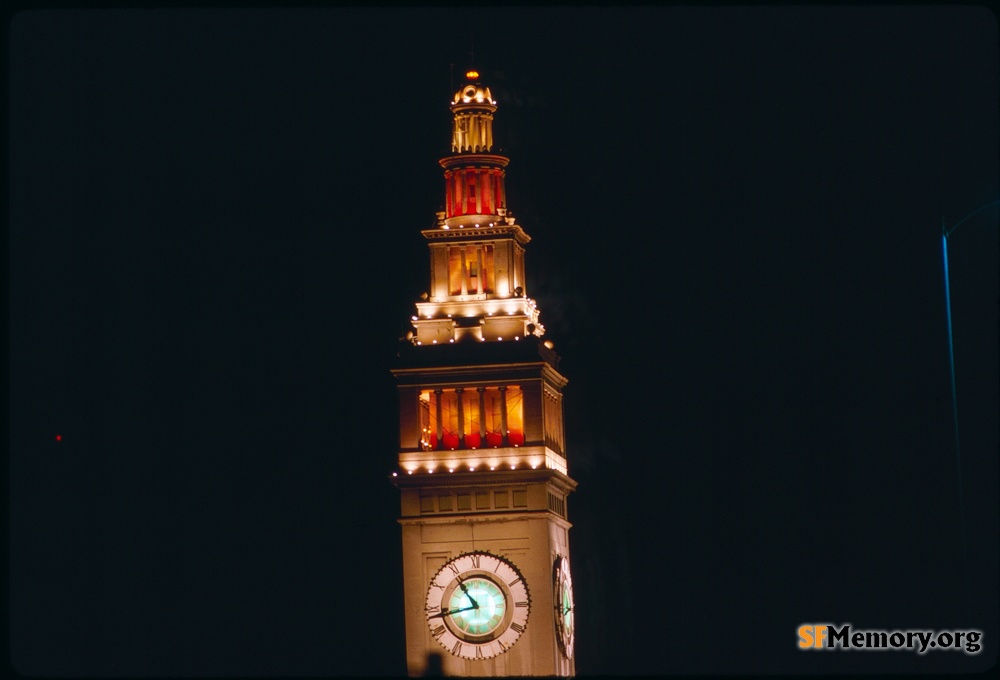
(477, 605)
(562, 596)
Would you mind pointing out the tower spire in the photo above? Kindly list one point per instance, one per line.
(477, 287)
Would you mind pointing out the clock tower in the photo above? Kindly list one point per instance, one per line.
(482, 462)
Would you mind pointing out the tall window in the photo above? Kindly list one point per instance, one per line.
(470, 269)
(455, 266)
(471, 418)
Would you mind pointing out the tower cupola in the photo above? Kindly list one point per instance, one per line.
(477, 288)
(473, 108)
(473, 175)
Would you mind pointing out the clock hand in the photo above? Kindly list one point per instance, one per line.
(450, 612)
(465, 590)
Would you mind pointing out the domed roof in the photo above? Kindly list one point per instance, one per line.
(473, 92)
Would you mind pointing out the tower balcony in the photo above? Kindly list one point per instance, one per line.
(481, 460)
(476, 317)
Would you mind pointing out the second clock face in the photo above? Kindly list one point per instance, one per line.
(562, 596)
(477, 605)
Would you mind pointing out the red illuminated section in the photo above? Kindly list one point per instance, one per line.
(471, 418)
(473, 191)
(58, 437)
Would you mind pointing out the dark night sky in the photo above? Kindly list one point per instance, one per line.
(736, 215)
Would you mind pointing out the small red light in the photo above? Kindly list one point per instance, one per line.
(58, 437)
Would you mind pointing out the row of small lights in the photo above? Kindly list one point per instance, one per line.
(451, 340)
(471, 316)
(462, 226)
(531, 303)
(471, 469)
(547, 343)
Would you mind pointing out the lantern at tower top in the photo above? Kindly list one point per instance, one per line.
(473, 107)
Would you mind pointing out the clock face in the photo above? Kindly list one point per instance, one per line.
(477, 605)
(562, 596)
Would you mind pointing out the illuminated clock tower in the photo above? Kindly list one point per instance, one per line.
(482, 461)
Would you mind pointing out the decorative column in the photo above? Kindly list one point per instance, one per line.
(503, 415)
(461, 418)
(482, 416)
(440, 425)
(480, 285)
